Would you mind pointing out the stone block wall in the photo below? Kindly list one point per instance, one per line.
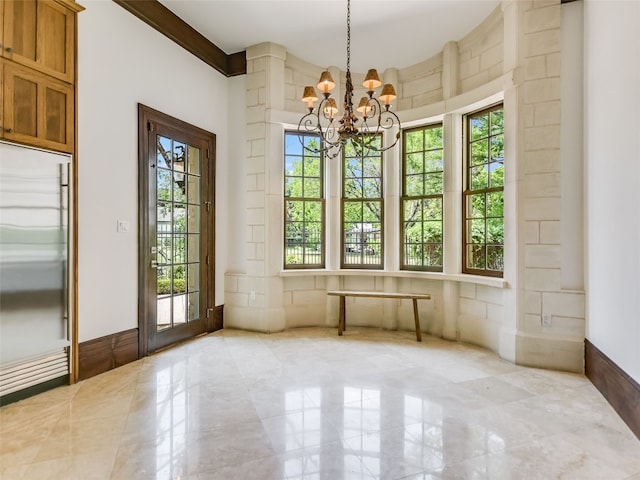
(480, 53)
(550, 313)
(512, 56)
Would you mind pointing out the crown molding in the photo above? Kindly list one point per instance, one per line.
(156, 15)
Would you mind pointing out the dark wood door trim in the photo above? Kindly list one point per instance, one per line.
(148, 116)
(156, 15)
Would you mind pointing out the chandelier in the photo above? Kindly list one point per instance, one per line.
(361, 129)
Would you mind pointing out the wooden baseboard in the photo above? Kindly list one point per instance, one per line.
(106, 353)
(218, 318)
(621, 391)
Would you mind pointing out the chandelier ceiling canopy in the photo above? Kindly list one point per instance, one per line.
(362, 126)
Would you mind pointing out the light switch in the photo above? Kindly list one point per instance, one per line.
(123, 226)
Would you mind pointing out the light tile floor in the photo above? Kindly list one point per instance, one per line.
(307, 404)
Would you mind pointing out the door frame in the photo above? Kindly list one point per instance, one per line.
(147, 117)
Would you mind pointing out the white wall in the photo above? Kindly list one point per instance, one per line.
(123, 62)
(612, 147)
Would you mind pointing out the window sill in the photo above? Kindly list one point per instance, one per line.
(453, 277)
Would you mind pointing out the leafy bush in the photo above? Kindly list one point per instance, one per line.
(164, 286)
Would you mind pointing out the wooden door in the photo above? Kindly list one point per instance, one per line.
(176, 257)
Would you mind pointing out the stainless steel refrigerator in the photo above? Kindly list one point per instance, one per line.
(34, 270)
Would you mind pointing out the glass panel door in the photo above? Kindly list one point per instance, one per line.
(177, 233)
(176, 243)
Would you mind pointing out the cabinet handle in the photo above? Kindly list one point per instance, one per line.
(9, 130)
(9, 49)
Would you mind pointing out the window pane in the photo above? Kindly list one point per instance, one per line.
(476, 231)
(353, 168)
(412, 210)
(497, 174)
(304, 216)
(484, 222)
(163, 160)
(495, 204)
(497, 121)
(479, 126)
(433, 183)
(423, 180)
(361, 206)
(414, 163)
(372, 188)
(179, 217)
(414, 185)
(480, 152)
(433, 161)
(193, 189)
(194, 160)
(179, 187)
(193, 248)
(495, 258)
(372, 212)
(193, 277)
(476, 257)
(194, 306)
(353, 188)
(433, 232)
(497, 148)
(312, 167)
(163, 184)
(414, 141)
(479, 178)
(312, 188)
(179, 248)
(434, 137)
(495, 230)
(193, 219)
(476, 207)
(433, 208)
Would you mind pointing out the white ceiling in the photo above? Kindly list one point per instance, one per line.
(384, 33)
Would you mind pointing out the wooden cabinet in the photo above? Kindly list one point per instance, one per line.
(40, 34)
(38, 110)
(38, 54)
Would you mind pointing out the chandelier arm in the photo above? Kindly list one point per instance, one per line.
(335, 133)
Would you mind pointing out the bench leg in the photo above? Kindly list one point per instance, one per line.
(417, 319)
(341, 321)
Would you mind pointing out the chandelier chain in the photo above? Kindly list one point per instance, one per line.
(348, 35)
(361, 128)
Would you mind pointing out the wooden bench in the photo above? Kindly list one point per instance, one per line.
(350, 293)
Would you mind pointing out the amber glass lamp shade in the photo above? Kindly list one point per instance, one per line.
(363, 107)
(371, 80)
(330, 108)
(326, 83)
(388, 94)
(309, 96)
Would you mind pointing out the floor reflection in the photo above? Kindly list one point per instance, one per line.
(307, 404)
(172, 410)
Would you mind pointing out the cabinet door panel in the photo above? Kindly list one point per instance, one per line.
(57, 109)
(38, 110)
(40, 35)
(25, 100)
(56, 28)
(20, 38)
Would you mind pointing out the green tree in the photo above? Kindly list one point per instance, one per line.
(422, 196)
(304, 210)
